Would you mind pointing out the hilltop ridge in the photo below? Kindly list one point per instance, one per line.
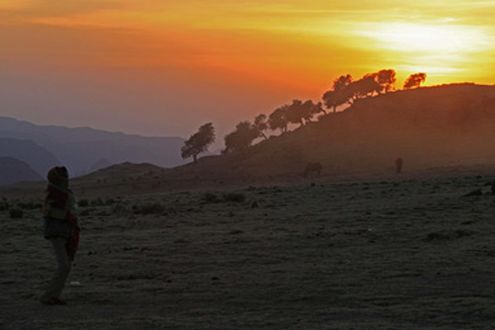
(432, 127)
(446, 126)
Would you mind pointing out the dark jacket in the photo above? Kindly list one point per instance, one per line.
(59, 204)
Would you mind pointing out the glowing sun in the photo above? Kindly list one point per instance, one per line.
(435, 48)
(427, 37)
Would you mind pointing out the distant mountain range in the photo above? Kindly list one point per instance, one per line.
(13, 171)
(28, 152)
(82, 149)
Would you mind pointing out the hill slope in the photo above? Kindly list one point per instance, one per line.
(437, 126)
(446, 126)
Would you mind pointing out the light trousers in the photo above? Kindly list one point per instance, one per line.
(57, 283)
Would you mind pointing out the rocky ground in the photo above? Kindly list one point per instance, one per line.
(397, 254)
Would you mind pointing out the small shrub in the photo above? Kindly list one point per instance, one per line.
(16, 213)
(120, 209)
(4, 205)
(149, 208)
(210, 198)
(85, 213)
(234, 197)
(29, 205)
(97, 202)
(83, 203)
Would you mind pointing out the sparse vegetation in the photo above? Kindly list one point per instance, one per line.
(4, 205)
(16, 213)
(234, 197)
(210, 198)
(85, 212)
(149, 208)
(97, 202)
(29, 205)
(120, 209)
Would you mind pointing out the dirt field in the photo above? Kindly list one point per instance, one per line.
(410, 254)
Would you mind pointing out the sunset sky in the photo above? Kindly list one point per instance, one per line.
(163, 67)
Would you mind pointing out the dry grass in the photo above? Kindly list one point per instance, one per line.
(410, 254)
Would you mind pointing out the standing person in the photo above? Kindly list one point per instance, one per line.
(61, 229)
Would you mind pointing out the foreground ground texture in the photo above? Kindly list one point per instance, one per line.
(408, 254)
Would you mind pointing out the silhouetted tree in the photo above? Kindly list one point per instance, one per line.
(261, 125)
(242, 138)
(278, 119)
(198, 142)
(313, 109)
(339, 94)
(296, 112)
(364, 87)
(415, 80)
(299, 112)
(342, 82)
(386, 79)
(345, 90)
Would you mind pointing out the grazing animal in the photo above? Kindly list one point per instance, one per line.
(313, 169)
(398, 165)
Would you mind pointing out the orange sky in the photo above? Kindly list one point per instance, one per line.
(165, 66)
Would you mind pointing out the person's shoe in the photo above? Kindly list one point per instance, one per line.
(53, 301)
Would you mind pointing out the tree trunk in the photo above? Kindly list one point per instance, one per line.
(195, 159)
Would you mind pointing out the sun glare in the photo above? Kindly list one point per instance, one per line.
(427, 37)
(440, 49)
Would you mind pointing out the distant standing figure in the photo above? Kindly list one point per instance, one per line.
(398, 165)
(313, 169)
(61, 229)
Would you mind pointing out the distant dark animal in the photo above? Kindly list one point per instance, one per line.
(398, 165)
(313, 169)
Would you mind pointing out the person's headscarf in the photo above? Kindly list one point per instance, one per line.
(59, 176)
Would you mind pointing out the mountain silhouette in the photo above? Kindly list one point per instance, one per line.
(37, 157)
(81, 148)
(13, 171)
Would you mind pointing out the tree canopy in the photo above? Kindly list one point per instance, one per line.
(338, 94)
(261, 125)
(278, 119)
(241, 138)
(415, 80)
(198, 142)
(344, 90)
